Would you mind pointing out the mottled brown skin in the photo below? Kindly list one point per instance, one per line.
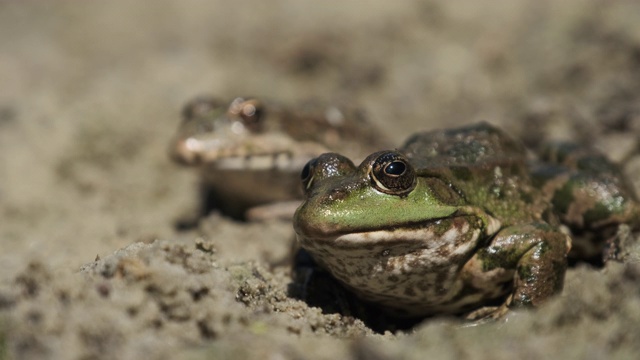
(449, 223)
(589, 194)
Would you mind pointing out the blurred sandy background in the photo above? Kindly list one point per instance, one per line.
(90, 93)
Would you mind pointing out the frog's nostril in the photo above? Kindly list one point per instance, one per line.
(338, 194)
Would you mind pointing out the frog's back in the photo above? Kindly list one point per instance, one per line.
(479, 147)
(483, 164)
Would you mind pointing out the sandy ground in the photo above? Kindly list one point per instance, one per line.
(90, 95)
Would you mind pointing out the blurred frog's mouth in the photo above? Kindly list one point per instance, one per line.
(280, 161)
(216, 156)
(264, 152)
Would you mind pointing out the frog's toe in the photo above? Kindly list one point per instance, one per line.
(489, 313)
(482, 314)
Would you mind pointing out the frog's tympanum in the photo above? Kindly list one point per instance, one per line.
(453, 222)
(251, 151)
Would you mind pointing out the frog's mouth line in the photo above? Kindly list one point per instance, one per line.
(410, 233)
(421, 241)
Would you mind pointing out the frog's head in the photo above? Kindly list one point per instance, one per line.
(211, 129)
(384, 193)
(231, 136)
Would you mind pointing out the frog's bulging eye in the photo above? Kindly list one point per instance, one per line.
(392, 174)
(307, 174)
(251, 112)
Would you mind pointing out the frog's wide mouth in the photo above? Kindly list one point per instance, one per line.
(372, 234)
(407, 232)
(219, 155)
(430, 234)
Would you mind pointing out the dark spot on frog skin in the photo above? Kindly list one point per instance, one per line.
(525, 273)
(462, 173)
(493, 258)
(526, 196)
(410, 291)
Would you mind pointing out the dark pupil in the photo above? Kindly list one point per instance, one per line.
(395, 168)
(305, 171)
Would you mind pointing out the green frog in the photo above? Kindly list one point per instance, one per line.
(458, 221)
(250, 151)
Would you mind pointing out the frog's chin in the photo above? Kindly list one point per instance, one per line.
(370, 263)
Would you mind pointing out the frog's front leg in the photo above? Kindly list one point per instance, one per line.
(530, 259)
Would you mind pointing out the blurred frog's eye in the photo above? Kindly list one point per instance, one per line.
(392, 174)
(251, 112)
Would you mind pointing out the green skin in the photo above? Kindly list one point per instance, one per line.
(458, 226)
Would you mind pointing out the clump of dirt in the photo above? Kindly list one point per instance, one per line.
(147, 299)
(152, 300)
